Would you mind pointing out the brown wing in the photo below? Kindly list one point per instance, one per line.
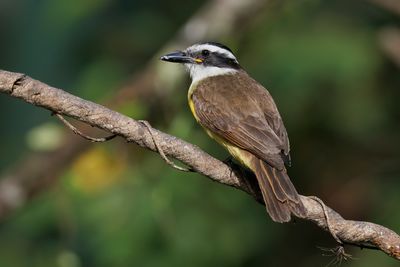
(238, 109)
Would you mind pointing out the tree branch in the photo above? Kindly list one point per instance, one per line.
(363, 234)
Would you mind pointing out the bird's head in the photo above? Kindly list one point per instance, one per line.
(204, 60)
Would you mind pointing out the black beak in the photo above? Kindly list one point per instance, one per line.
(177, 57)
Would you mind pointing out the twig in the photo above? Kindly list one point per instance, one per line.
(161, 152)
(76, 131)
(327, 218)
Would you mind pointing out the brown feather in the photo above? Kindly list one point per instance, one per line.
(280, 197)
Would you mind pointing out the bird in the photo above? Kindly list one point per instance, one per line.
(241, 115)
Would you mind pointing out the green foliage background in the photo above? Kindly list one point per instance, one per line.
(118, 205)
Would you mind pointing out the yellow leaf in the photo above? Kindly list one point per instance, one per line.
(97, 170)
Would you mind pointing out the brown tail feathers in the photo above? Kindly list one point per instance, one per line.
(280, 197)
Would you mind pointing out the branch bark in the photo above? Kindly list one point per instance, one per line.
(363, 234)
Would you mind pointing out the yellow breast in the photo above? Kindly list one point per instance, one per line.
(192, 88)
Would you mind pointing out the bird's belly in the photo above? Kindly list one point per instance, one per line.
(239, 154)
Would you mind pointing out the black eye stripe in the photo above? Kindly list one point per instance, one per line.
(221, 60)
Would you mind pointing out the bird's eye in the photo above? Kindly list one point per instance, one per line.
(205, 53)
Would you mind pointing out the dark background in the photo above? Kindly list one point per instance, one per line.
(115, 204)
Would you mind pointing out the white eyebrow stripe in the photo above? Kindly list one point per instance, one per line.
(212, 48)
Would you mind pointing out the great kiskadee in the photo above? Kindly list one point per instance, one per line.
(240, 114)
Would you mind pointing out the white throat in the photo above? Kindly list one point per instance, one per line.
(199, 72)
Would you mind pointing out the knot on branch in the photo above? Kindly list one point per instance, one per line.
(18, 82)
(10, 81)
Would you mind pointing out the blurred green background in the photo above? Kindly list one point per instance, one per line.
(115, 204)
